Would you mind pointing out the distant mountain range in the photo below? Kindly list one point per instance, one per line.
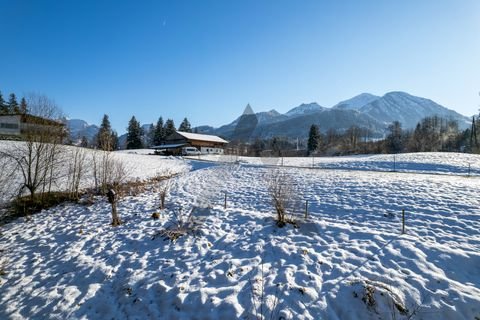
(79, 128)
(364, 110)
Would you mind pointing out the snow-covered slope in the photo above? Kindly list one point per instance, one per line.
(356, 102)
(305, 108)
(452, 163)
(408, 110)
(347, 260)
(269, 116)
(136, 163)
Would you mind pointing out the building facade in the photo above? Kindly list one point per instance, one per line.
(14, 126)
(206, 144)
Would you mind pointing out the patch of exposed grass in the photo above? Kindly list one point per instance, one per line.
(27, 205)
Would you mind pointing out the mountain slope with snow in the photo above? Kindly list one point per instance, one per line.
(304, 109)
(408, 110)
(356, 102)
(364, 110)
(79, 128)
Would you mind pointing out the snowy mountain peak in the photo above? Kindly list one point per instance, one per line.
(408, 109)
(248, 110)
(356, 102)
(79, 128)
(274, 112)
(304, 108)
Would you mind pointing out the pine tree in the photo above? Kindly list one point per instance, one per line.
(3, 106)
(275, 144)
(104, 135)
(394, 141)
(13, 104)
(134, 134)
(313, 138)
(84, 142)
(159, 134)
(185, 126)
(23, 106)
(115, 141)
(150, 135)
(169, 128)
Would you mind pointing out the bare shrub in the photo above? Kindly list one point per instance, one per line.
(369, 296)
(261, 302)
(163, 186)
(183, 223)
(117, 175)
(108, 172)
(3, 267)
(385, 299)
(6, 178)
(76, 171)
(284, 193)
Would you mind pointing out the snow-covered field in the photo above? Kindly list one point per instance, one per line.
(137, 167)
(433, 162)
(347, 260)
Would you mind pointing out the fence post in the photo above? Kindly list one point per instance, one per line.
(306, 209)
(403, 221)
(469, 169)
(394, 162)
(225, 206)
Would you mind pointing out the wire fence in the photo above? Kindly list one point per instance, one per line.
(469, 167)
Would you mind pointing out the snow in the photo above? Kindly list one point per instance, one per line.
(423, 162)
(138, 167)
(304, 108)
(356, 102)
(347, 260)
(201, 137)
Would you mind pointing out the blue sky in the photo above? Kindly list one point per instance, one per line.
(207, 59)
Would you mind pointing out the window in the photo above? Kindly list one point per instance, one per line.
(8, 125)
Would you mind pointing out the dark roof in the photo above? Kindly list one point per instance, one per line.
(168, 146)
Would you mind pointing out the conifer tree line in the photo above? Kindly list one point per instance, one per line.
(107, 139)
(11, 106)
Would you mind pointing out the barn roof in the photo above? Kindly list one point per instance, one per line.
(201, 137)
(168, 146)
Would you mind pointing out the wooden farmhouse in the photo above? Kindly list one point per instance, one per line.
(15, 126)
(178, 142)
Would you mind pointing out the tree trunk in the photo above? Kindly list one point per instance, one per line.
(115, 218)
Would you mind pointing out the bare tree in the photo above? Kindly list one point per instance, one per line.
(6, 178)
(37, 159)
(284, 194)
(76, 171)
